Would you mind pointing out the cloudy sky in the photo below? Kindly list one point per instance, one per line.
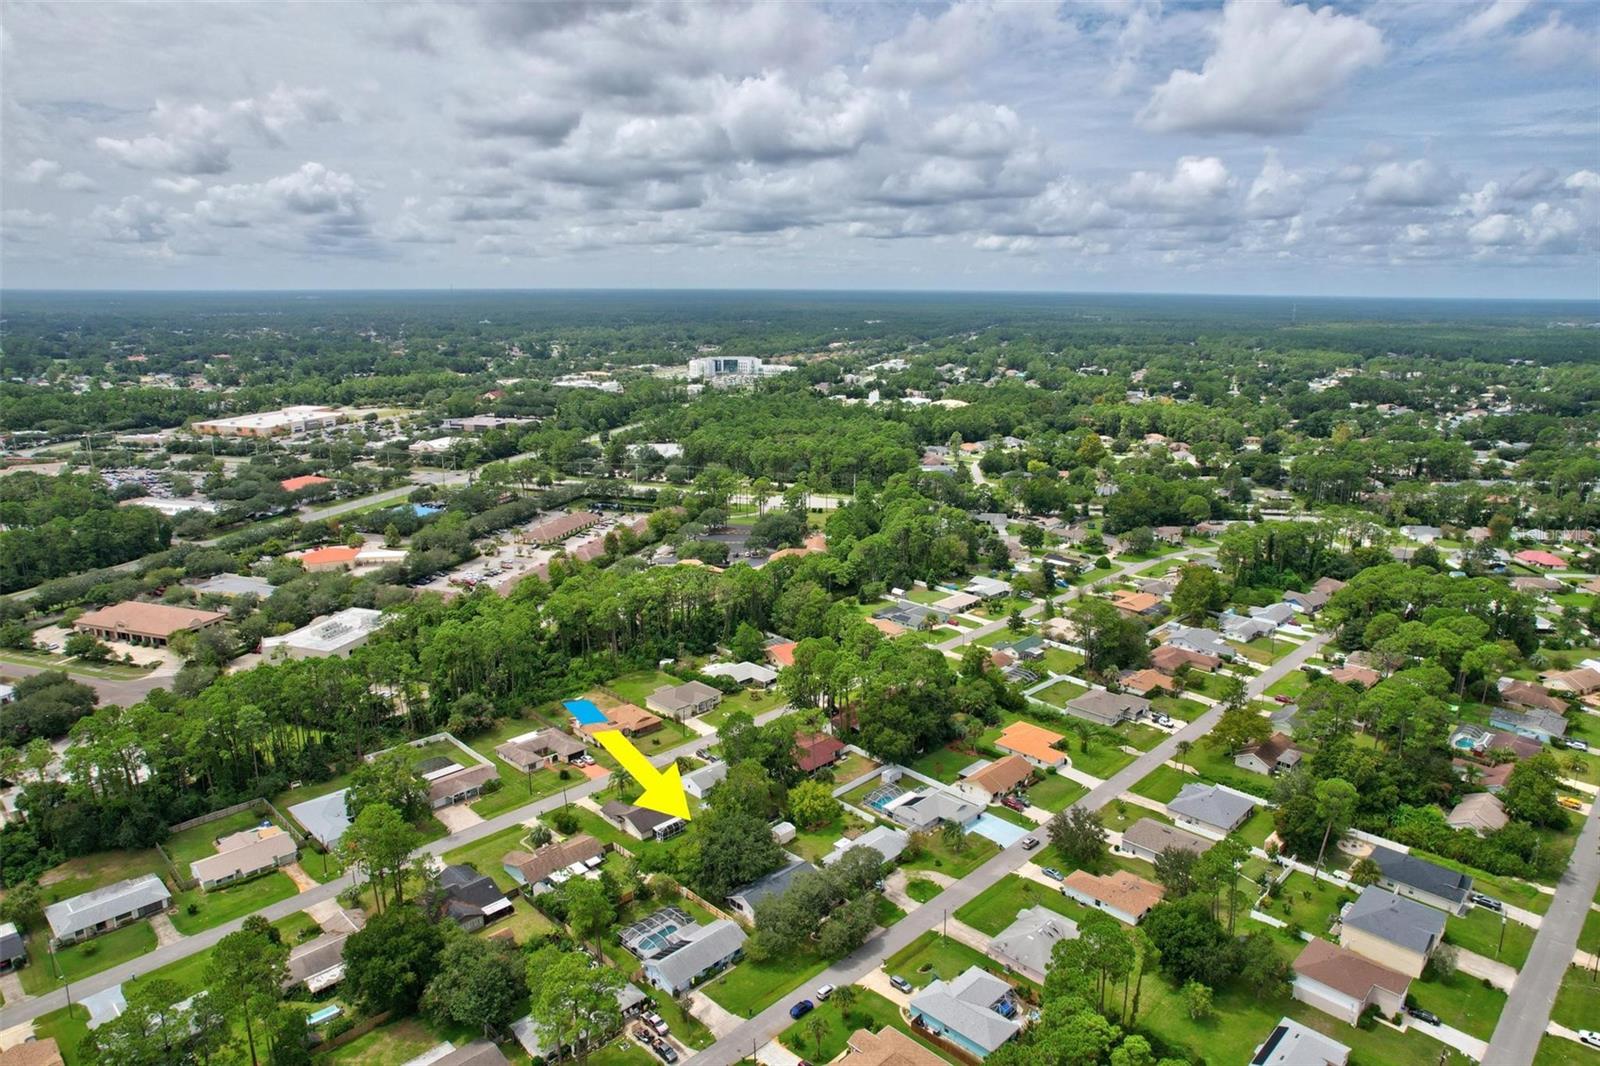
(1383, 148)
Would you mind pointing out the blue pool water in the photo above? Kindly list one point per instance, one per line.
(1464, 743)
(423, 510)
(657, 939)
(327, 1013)
(585, 711)
(998, 830)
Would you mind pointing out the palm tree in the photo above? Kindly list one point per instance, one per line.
(1184, 747)
(818, 1029)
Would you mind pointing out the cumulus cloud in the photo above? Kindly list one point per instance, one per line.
(135, 220)
(1418, 183)
(1273, 68)
(1556, 41)
(1197, 183)
(1276, 192)
(50, 172)
(197, 139)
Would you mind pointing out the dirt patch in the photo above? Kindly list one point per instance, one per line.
(303, 882)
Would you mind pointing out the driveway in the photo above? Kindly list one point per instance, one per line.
(458, 816)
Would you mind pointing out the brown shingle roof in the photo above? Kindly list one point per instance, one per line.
(887, 1047)
(460, 780)
(1127, 892)
(815, 752)
(552, 857)
(1167, 659)
(1329, 964)
(1003, 775)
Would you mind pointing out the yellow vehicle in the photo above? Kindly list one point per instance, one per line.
(1569, 803)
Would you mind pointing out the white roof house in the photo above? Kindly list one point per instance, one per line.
(107, 908)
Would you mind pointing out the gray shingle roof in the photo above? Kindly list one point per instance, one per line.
(11, 945)
(1396, 919)
(964, 1006)
(81, 912)
(1422, 875)
(703, 946)
(1032, 937)
(1210, 804)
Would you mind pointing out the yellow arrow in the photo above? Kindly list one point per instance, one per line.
(663, 789)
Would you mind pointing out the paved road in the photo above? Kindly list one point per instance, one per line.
(122, 693)
(1527, 1010)
(748, 1037)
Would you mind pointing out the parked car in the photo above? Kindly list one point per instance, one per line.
(1052, 873)
(1284, 699)
(801, 1009)
(1488, 903)
(1161, 719)
(824, 991)
(1578, 745)
(1423, 1015)
(1589, 1036)
(900, 983)
(1029, 843)
(657, 1022)
(1571, 803)
(643, 1034)
(1014, 803)
(664, 1049)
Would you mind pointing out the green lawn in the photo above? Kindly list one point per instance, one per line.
(225, 904)
(751, 987)
(1214, 765)
(945, 764)
(635, 687)
(81, 960)
(870, 1011)
(1102, 759)
(89, 872)
(1119, 814)
(922, 890)
(484, 855)
(1559, 1051)
(752, 701)
(1056, 793)
(1060, 661)
(68, 1026)
(1589, 938)
(388, 1045)
(999, 904)
(932, 956)
(1257, 827)
(1479, 931)
(1143, 737)
(851, 767)
(1059, 693)
(814, 843)
(1291, 684)
(200, 841)
(1310, 905)
(1162, 783)
(1578, 1002)
(1463, 1002)
(941, 857)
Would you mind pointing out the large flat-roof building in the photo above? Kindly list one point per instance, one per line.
(284, 422)
(335, 634)
(150, 624)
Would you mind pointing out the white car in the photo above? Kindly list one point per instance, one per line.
(1589, 1036)
(824, 991)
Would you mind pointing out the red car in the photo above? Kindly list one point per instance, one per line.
(1014, 803)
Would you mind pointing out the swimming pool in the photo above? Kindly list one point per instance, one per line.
(880, 798)
(998, 830)
(1465, 743)
(656, 940)
(328, 1013)
(584, 711)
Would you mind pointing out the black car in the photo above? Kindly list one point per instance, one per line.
(1423, 1015)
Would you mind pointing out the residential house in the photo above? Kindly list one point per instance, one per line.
(80, 917)
(988, 588)
(1159, 587)
(1210, 809)
(1025, 945)
(1108, 708)
(1279, 614)
(744, 900)
(1168, 534)
(459, 783)
(1579, 682)
(1517, 744)
(1274, 755)
(540, 749)
(243, 855)
(1206, 642)
(1364, 676)
(471, 899)
(1126, 897)
(476, 1053)
(1343, 984)
(955, 603)
(547, 868)
(679, 956)
(1147, 838)
(1525, 694)
(781, 654)
(750, 675)
(1535, 723)
(1537, 584)
(1293, 1044)
(1540, 560)
(1481, 812)
(888, 843)
(699, 783)
(631, 1002)
(886, 1047)
(1169, 657)
(1244, 629)
(683, 701)
(967, 1012)
(1034, 743)
(1143, 682)
(1419, 879)
(33, 1052)
(930, 807)
(13, 949)
(627, 719)
(813, 751)
(1136, 604)
(639, 822)
(1306, 602)
(1422, 534)
(1327, 585)
(1391, 930)
(996, 780)
(317, 965)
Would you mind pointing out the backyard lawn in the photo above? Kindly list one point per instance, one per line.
(945, 764)
(869, 1011)
(1310, 905)
(225, 904)
(1162, 784)
(88, 872)
(200, 841)
(485, 855)
(1059, 693)
(81, 960)
(851, 767)
(1060, 661)
(814, 843)
(634, 688)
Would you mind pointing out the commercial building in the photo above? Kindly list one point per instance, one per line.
(335, 634)
(284, 422)
(150, 624)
